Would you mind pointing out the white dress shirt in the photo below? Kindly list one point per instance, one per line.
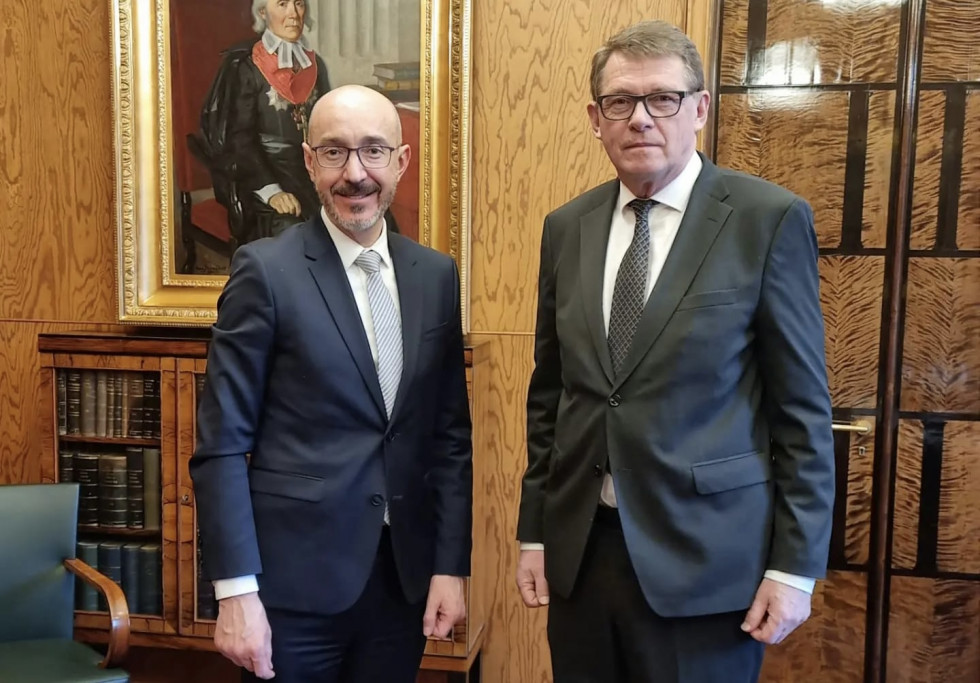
(664, 221)
(349, 250)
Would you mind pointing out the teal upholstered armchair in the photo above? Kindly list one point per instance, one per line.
(38, 524)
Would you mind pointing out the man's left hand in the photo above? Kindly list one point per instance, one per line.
(776, 612)
(445, 607)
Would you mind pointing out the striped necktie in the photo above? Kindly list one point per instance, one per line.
(387, 327)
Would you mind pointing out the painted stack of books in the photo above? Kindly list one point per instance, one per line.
(399, 81)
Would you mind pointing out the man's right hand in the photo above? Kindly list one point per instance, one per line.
(243, 635)
(285, 202)
(530, 578)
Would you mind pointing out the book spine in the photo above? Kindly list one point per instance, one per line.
(131, 574)
(113, 489)
(150, 581)
(110, 564)
(73, 402)
(101, 402)
(151, 488)
(87, 597)
(88, 403)
(86, 471)
(134, 487)
(61, 384)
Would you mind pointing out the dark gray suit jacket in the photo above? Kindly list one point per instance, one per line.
(718, 427)
(292, 382)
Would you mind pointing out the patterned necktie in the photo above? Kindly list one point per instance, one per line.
(629, 294)
(387, 327)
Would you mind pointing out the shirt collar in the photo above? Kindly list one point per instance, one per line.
(287, 51)
(349, 250)
(676, 194)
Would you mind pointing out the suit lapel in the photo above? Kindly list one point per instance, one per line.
(705, 215)
(331, 279)
(410, 298)
(594, 233)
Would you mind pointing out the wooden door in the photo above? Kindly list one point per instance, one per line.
(821, 98)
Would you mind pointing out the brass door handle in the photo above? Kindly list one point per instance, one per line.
(857, 426)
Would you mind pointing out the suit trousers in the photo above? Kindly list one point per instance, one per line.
(377, 640)
(605, 631)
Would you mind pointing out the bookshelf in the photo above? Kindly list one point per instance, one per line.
(89, 440)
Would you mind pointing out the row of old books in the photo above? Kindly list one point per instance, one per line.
(136, 567)
(116, 490)
(108, 403)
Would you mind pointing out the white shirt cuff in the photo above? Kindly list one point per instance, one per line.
(803, 583)
(240, 585)
(532, 546)
(268, 192)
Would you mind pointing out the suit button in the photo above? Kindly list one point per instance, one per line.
(377, 499)
(614, 400)
(598, 470)
(390, 437)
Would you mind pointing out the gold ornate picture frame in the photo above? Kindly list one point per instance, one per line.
(151, 287)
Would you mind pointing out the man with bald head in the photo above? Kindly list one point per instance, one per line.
(332, 472)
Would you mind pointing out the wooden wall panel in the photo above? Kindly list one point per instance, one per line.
(845, 41)
(56, 221)
(951, 507)
(516, 648)
(760, 133)
(857, 520)
(968, 222)
(941, 364)
(951, 39)
(532, 145)
(933, 631)
(878, 168)
(836, 626)
(850, 296)
(928, 164)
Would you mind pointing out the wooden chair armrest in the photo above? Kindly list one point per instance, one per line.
(118, 610)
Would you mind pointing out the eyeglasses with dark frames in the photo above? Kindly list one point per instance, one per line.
(370, 156)
(659, 105)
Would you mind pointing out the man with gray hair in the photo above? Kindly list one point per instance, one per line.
(255, 119)
(676, 508)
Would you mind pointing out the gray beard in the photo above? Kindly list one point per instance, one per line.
(357, 225)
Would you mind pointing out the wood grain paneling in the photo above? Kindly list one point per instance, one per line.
(532, 146)
(56, 220)
(941, 363)
(850, 296)
(829, 647)
(950, 45)
(958, 520)
(933, 632)
(516, 648)
(857, 521)
(878, 168)
(760, 133)
(846, 41)
(968, 223)
(928, 164)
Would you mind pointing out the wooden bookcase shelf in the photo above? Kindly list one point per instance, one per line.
(176, 365)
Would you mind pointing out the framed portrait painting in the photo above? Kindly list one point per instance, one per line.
(211, 106)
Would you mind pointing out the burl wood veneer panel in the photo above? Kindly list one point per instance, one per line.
(933, 634)
(795, 139)
(958, 524)
(941, 363)
(850, 296)
(952, 37)
(808, 41)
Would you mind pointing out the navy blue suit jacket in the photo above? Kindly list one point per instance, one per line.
(291, 381)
